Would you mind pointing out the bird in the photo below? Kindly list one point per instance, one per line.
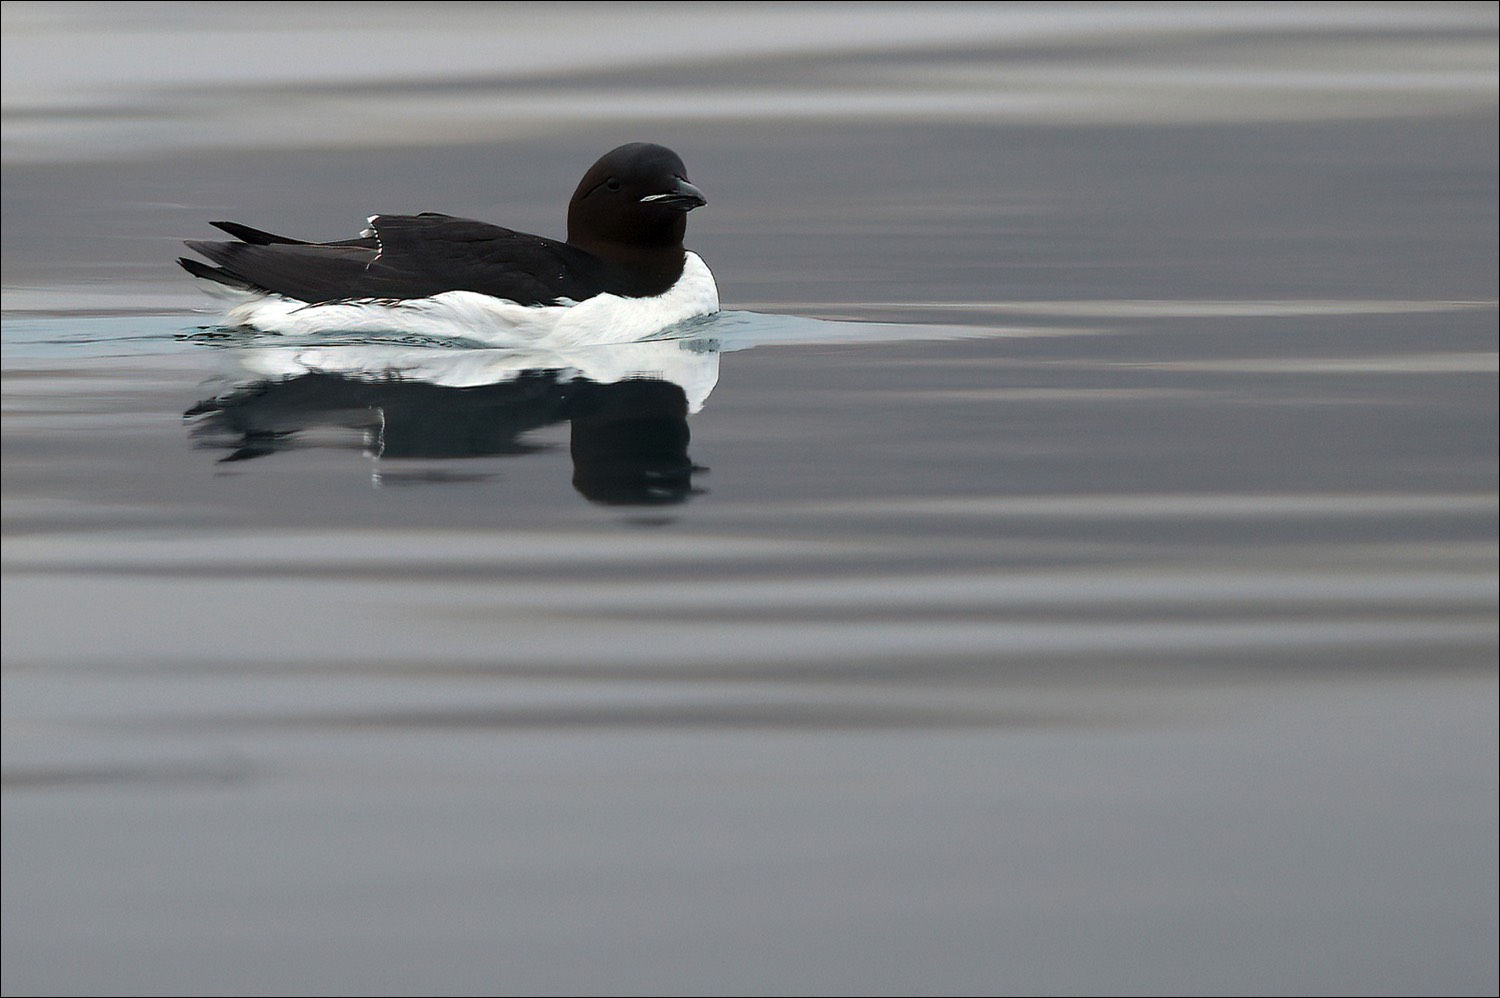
(621, 274)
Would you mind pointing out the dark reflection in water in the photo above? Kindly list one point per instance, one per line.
(629, 431)
(630, 442)
(397, 419)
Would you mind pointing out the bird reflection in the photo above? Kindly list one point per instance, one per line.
(627, 406)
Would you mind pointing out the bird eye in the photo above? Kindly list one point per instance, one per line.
(612, 184)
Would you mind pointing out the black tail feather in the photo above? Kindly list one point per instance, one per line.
(256, 237)
(215, 274)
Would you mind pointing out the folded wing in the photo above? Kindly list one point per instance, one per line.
(403, 257)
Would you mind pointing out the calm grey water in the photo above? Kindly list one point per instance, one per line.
(1081, 576)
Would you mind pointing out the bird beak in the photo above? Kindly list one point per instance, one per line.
(683, 196)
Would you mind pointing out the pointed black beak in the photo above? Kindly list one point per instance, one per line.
(681, 195)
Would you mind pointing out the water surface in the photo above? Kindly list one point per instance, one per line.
(1068, 565)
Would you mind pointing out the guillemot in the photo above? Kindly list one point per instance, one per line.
(622, 273)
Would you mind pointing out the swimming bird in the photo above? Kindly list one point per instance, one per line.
(621, 274)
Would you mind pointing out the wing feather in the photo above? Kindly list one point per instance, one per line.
(407, 256)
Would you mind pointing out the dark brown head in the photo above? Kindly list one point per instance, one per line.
(636, 197)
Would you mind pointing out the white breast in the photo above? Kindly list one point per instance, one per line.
(471, 316)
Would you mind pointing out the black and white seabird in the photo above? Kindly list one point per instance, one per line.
(622, 273)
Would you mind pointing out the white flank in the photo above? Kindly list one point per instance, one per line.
(471, 316)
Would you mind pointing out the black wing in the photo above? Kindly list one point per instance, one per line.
(407, 256)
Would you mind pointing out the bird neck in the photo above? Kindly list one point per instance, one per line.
(614, 235)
